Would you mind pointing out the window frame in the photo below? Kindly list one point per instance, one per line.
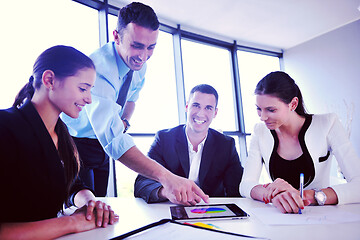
(105, 8)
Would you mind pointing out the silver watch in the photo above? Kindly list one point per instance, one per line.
(320, 197)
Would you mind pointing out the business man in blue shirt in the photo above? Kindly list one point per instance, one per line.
(99, 132)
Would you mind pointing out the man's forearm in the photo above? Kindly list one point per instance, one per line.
(179, 190)
(128, 110)
(138, 162)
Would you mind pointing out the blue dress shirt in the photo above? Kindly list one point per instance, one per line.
(102, 118)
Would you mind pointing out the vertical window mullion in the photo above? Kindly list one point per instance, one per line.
(239, 114)
(236, 87)
(179, 76)
(103, 24)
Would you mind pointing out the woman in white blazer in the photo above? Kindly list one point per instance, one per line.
(290, 142)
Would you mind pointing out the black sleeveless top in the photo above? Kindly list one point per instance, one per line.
(290, 170)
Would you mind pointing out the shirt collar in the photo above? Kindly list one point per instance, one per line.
(191, 147)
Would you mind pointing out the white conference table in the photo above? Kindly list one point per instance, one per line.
(135, 213)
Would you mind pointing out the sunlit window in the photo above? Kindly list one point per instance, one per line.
(112, 23)
(252, 68)
(27, 29)
(156, 108)
(125, 177)
(211, 65)
(40, 24)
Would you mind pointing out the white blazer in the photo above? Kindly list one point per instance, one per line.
(324, 134)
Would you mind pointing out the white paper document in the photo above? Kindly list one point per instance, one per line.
(310, 215)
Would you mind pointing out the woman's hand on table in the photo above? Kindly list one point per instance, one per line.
(275, 188)
(283, 196)
(102, 213)
(288, 201)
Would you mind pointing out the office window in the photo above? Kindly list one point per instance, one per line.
(157, 103)
(112, 23)
(211, 65)
(33, 26)
(125, 177)
(252, 68)
(156, 107)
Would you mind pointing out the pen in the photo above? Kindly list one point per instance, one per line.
(301, 187)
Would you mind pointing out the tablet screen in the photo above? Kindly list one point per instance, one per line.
(204, 212)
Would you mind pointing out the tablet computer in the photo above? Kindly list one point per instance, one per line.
(207, 212)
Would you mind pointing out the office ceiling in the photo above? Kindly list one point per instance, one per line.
(270, 24)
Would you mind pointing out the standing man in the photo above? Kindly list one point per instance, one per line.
(196, 152)
(99, 132)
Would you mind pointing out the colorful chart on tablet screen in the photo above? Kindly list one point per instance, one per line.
(208, 210)
(201, 211)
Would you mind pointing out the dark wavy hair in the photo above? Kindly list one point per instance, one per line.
(64, 61)
(139, 14)
(281, 85)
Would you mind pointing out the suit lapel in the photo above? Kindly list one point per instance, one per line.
(182, 151)
(51, 162)
(207, 157)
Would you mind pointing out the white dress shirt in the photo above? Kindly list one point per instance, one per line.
(195, 159)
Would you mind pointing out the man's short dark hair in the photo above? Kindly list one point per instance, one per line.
(139, 14)
(205, 88)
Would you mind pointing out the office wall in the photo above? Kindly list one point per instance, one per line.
(327, 70)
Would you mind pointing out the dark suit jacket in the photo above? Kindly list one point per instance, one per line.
(220, 168)
(32, 179)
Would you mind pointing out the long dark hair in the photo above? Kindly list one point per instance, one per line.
(281, 85)
(64, 61)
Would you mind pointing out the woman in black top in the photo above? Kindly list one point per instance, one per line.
(39, 161)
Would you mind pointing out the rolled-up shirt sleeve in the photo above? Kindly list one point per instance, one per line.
(104, 116)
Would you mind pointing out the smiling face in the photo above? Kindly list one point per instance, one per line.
(201, 110)
(135, 45)
(271, 110)
(71, 94)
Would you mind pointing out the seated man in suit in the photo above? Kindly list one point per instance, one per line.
(196, 152)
